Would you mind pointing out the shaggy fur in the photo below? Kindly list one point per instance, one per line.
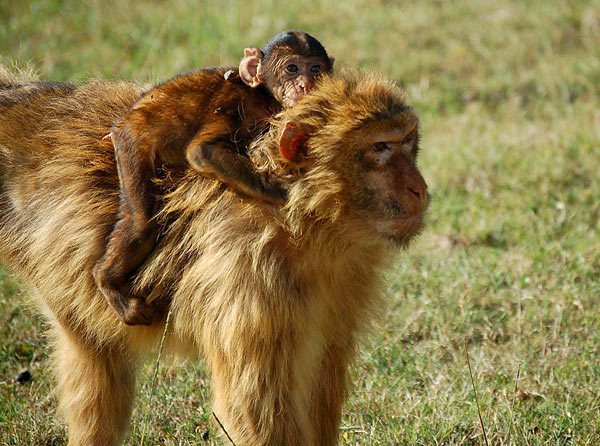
(274, 299)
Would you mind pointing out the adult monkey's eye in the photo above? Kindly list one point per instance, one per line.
(380, 147)
(315, 69)
(292, 68)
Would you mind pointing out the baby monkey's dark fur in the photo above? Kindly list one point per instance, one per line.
(204, 119)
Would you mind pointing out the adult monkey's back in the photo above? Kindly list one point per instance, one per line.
(272, 298)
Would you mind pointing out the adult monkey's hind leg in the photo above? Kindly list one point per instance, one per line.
(96, 388)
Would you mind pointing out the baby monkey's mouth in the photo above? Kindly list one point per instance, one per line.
(294, 94)
(290, 98)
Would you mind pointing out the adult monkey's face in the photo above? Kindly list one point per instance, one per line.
(355, 142)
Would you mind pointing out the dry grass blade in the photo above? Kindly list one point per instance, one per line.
(476, 398)
(512, 401)
(223, 429)
(155, 375)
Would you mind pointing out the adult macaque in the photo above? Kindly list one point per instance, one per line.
(204, 119)
(274, 298)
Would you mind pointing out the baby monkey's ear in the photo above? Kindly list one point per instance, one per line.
(251, 67)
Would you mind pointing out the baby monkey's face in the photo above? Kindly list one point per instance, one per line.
(294, 76)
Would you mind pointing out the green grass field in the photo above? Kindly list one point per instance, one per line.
(509, 266)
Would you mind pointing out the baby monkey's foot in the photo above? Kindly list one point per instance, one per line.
(137, 312)
(131, 309)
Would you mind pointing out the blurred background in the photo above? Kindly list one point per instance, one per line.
(508, 268)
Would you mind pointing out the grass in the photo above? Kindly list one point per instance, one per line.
(508, 93)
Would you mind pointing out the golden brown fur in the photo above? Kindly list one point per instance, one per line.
(273, 299)
(204, 119)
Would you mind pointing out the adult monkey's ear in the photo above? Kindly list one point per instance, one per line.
(250, 67)
(292, 142)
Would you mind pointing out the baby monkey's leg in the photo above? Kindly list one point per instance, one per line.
(134, 234)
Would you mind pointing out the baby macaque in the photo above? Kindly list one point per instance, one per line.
(204, 119)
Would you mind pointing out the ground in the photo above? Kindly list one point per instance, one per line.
(508, 269)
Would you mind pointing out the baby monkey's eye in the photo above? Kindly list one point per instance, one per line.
(315, 69)
(380, 147)
(292, 68)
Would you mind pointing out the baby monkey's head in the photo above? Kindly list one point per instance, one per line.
(288, 65)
